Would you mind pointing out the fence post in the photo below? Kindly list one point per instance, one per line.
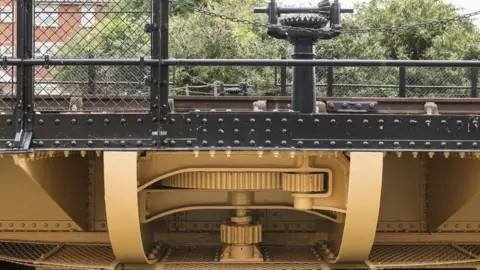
(474, 78)
(25, 81)
(283, 80)
(402, 92)
(92, 74)
(329, 81)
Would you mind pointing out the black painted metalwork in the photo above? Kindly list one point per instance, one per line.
(346, 125)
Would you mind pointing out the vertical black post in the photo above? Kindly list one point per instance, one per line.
(92, 74)
(402, 91)
(283, 80)
(160, 81)
(329, 81)
(474, 78)
(25, 81)
(304, 79)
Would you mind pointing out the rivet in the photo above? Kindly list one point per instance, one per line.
(221, 131)
(189, 143)
(40, 122)
(188, 120)
(268, 121)
(57, 143)
(284, 131)
(106, 121)
(236, 121)
(365, 121)
(204, 143)
(267, 130)
(236, 130)
(349, 121)
(9, 121)
(428, 123)
(396, 144)
(57, 121)
(236, 142)
(106, 143)
(316, 143)
(204, 130)
(381, 122)
(252, 143)
(413, 122)
(73, 143)
(172, 121)
(332, 143)
(220, 143)
(123, 121)
(344, 105)
(252, 120)
(475, 145)
(443, 122)
(299, 143)
(399, 154)
(154, 119)
(428, 144)
(89, 143)
(10, 225)
(459, 144)
(283, 143)
(268, 143)
(139, 143)
(349, 144)
(284, 121)
(381, 143)
(443, 144)
(333, 121)
(252, 131)
(316, 121)
(300, 121)
(365, 144)
(73, 121)
(90, 121)
(123, 143)
(220, 120)
(459, 123)
(396, 121)
(204, 121)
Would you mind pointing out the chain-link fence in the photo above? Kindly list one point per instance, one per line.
(7, 45)
(386, 82)
(92, 29)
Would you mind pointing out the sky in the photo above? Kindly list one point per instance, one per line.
(467, 6)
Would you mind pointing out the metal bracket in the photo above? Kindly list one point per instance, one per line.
(23, 140)
(352, 107)
(4, 63)
(150, 28)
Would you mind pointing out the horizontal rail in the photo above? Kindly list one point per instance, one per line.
(318, 62)
(244, 62)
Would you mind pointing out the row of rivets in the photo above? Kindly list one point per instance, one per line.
(316, 121)
(90, 121)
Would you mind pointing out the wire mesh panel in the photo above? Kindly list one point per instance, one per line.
(366, 81)
(438, 82)
(92, 29)
(7, 49)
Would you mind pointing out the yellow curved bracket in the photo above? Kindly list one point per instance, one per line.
(363, 206)
(121, 201)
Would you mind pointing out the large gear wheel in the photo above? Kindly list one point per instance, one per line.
(316, 22)
(305, 183)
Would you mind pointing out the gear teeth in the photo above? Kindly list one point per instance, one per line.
(241, 235)
(303, 182)
(316, 21)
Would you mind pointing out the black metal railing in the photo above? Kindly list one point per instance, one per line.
(129, 78)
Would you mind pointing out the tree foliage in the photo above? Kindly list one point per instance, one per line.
(198, 36)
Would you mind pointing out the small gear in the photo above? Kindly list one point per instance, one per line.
(311, 182)
(316, 21)
(234, 234)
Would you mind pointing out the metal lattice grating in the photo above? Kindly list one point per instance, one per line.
(82, 255)
(7, 49)
(237, 266)
(416, 254)
(473, 249)
(290, 254)
(26, 252)
(193, 254)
